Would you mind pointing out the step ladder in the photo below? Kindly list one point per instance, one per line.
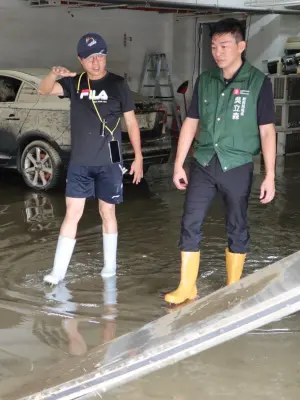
(156, 83)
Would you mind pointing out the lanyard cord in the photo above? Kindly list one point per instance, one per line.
(96, 109)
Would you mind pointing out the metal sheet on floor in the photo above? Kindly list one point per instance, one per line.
(258, 299)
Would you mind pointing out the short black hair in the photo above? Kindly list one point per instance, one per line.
(229, 25)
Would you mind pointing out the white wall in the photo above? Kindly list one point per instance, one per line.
(43, 37)
(185, 55)
(268, 35)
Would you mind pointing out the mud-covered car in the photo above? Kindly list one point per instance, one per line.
(35, 130)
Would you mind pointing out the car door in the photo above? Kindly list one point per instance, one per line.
(12, 115)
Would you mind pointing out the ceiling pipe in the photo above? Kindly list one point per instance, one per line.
(174, 7)
(273, 3)
(108, 5)
(170, 5)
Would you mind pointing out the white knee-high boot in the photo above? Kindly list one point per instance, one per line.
(63, 254)
(110, 291)
(110, 244)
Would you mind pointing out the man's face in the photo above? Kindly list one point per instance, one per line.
(95, 64)
(226, 50)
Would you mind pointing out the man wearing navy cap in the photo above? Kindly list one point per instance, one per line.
(98, 100)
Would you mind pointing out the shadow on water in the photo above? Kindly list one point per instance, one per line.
(40, 325)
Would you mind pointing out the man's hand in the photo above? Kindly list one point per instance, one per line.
(49, 85)
(179, 178)
(267, 190)
(268, 144)
(187, 135)
(135, 139)
(63, 72)
(137, 170)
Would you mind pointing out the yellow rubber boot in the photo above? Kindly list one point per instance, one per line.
(234, 266)
(187, 289)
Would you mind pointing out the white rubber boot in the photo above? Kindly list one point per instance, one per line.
(62, 296)
(110, 298)
(110, 244)
(110, 291)
(63, 254)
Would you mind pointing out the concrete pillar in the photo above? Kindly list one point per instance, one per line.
(281, 141)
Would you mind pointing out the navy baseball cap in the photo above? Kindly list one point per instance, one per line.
(91, 43)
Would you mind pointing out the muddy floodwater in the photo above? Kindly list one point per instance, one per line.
(40, 326)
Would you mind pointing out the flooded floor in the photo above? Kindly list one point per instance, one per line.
(40, 326)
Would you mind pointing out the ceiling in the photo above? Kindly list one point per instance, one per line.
(161, 6)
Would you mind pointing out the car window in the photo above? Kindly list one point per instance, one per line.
(28, 94)
(9, 88)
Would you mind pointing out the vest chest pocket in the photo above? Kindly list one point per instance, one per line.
(207, 117)
(207, 111)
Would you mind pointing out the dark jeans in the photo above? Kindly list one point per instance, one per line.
(235, 188)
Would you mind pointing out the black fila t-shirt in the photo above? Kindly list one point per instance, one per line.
(112, 97)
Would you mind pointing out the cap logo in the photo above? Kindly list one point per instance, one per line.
(90, 41)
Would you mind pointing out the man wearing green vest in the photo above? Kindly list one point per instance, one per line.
(230, 119)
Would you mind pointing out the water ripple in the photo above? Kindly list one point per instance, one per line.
(50, 323)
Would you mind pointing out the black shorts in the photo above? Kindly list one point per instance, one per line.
(104, 183)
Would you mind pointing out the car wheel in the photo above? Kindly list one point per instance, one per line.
(40, 165)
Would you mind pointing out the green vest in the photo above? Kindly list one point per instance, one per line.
(228, 117)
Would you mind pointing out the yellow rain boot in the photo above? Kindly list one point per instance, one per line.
(187, 289)
(234, 266)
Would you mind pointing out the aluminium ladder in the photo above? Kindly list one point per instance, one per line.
(153, 78)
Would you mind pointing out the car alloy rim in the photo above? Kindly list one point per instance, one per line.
(38, 167)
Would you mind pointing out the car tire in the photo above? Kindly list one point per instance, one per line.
(39, 174)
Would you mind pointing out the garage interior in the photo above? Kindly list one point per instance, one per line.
(44, 33)
(50, 29)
